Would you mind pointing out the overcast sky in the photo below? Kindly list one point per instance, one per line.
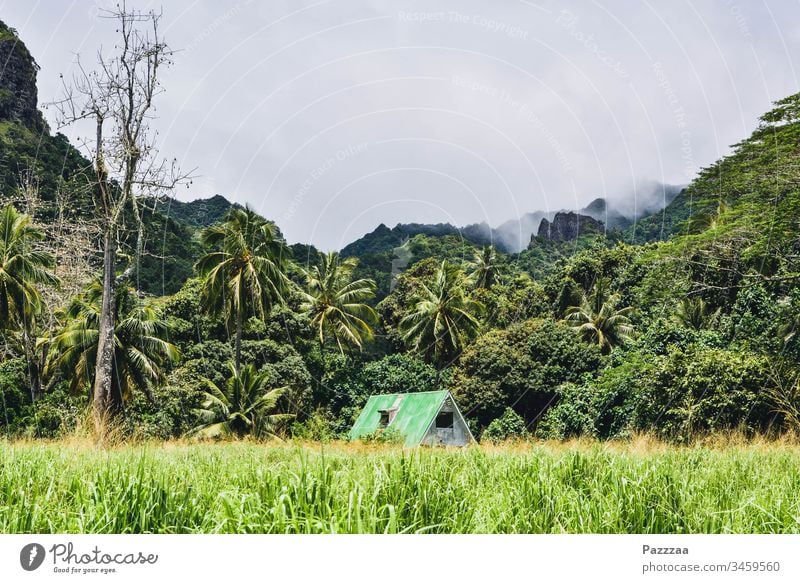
(331, 117)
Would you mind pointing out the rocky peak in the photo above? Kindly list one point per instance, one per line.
(567, 226)
(18, 95)
(598, 205)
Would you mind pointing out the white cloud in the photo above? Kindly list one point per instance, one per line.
(467, 111)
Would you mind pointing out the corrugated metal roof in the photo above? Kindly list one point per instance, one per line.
(415, 413)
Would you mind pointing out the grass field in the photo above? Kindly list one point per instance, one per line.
(239, 488)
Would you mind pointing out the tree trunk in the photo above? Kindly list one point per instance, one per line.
(34, 373)
(104, 397)
(237, 354)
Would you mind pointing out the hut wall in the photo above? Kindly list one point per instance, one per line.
(457, 435)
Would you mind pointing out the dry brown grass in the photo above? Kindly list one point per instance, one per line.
(639, 444)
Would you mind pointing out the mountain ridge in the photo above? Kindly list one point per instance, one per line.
(511, 236)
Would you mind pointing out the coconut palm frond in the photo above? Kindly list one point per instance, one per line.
(335, 302)
(242, 405)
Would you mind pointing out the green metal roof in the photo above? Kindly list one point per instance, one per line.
(415, 413)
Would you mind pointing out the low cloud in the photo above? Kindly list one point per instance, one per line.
(464, 111)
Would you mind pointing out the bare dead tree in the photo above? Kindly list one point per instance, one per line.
(74, 247)
(117, 97)
(29, 188)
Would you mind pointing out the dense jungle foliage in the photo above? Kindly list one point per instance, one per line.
(682, 324)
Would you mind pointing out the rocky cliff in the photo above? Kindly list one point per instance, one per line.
(18, 95)
(567, 226)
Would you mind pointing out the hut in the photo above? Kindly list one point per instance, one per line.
(427, 418)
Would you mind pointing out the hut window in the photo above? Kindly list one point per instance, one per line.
(384, 419)
(444, 420)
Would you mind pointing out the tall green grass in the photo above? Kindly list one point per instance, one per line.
(249, 488)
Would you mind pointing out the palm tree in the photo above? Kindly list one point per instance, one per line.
(22, 270)
(335, 302)
(693, 313)
(443, 318)
(245, 272)
(242, 405)
(598, 320)
(140, 348)
(485, 269)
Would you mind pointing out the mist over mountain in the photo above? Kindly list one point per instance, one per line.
(651, 196)
(618, 212)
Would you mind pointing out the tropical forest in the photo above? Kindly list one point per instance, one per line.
(618, 373)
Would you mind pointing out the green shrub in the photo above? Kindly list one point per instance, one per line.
(508, 426)
(319, 426)
(206, 360)
(13, 397)
(676, 396)
(56, 414)
(286, 368)
(520, 366)
(515, 300)
(389, 435)
(574, 414)
(171, 412)
(704, 390)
